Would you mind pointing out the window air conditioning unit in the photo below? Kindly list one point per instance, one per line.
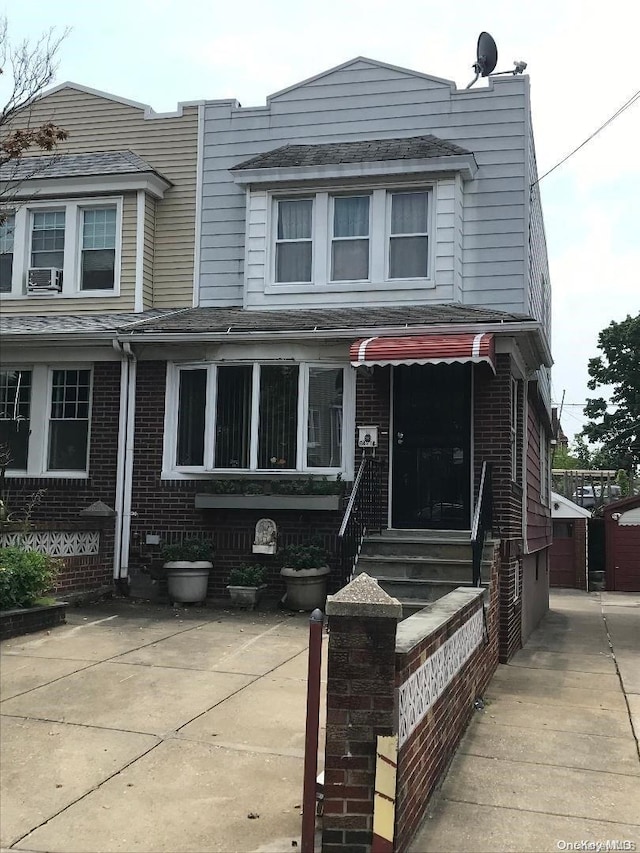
(44, 280)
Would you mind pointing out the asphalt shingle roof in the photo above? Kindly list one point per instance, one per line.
(29, 324)
(234, 320)
(408, 148)
(75, 165)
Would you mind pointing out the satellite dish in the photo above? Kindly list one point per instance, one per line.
(487, 59)
(486, 55)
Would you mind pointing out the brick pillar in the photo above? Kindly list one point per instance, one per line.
(360, 706)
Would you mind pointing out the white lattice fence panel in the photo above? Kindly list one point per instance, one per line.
(426, 684)
(64, 543)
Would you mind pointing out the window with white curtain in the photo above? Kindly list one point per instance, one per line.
(350, 242)
(294, 245)
(408, 235)
(246, 417)
(333, 238)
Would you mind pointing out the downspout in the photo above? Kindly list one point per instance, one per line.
(124, 475)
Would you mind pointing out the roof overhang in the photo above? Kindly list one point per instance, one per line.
(562, 507)
(33, 188)
(465, 164)
(424, 349)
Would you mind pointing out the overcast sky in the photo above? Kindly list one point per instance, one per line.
(582, 58)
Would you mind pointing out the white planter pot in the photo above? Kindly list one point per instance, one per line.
(306, 588)
(246, 596)
(187, 581)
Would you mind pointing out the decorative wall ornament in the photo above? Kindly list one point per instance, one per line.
(56, 543)
(428, 683)
(266, 537)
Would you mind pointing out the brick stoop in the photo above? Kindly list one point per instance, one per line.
(420, 566)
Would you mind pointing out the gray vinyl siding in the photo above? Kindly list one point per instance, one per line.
(480, 253)
(148, 250)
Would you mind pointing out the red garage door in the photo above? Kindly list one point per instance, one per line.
(623, 545)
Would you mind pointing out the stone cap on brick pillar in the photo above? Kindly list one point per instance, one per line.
(99, 509)
(364, 598)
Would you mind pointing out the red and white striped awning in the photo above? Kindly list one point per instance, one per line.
(424, 349)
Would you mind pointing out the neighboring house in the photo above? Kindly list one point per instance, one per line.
(622, 537)
(371, 254)
(569, 550)
(99, 234)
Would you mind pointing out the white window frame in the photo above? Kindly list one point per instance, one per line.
(72, 267)
(173, 471)
(331, 238)
(278, 240)
(389, 236)
(322, 237)
(39, 420)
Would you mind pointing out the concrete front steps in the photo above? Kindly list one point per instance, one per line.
(419, 566)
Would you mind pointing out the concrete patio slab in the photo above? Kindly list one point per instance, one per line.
(544, 789)
(59, 763)
(460, 827)
(564, 661)
(562, 749)
(558, 688)
(508, 710)
(251, 654)
(90, 642)
(183, 796)
(629, 667)
(620, 599)
(152, 700)
(19, 674)
(269, 714)
(634, 710)
(623, 628)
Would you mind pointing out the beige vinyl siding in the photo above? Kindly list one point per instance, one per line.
(148, 254)
(92, 304)
(169, 144)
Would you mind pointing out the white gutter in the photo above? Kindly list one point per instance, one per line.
(127, 485)
(122, 428)
(124, 470)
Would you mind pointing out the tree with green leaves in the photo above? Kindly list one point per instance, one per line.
(614, 424)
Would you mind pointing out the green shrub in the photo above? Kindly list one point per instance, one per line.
(25, 576)
(247, 575)
(191, 550)
(309, 556)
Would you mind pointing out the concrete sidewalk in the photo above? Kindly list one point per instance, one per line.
(141, 728)
(553, 759)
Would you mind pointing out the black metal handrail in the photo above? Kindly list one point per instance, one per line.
(482, 521)
(361, 516)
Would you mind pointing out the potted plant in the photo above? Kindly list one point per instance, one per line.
(187, 565)
(246, 585)
(305, 571)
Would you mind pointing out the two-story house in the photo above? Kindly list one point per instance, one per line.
(371, 254)
(367, 251)
(98, 234)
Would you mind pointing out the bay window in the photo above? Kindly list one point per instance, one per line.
(44, 420)
(256, 417)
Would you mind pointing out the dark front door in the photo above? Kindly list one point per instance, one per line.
(431, 446)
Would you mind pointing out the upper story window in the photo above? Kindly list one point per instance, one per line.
(257, 417)
(294, 240)
(7, 228)
(336, 238)
(70, 248)
(44, 420)
(409, 235)
(350, 241)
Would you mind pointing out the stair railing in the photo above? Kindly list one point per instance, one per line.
(362, 515)
(482, 521)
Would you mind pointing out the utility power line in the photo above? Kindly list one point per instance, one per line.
(618, 112)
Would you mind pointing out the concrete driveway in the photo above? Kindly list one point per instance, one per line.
(140, 728)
